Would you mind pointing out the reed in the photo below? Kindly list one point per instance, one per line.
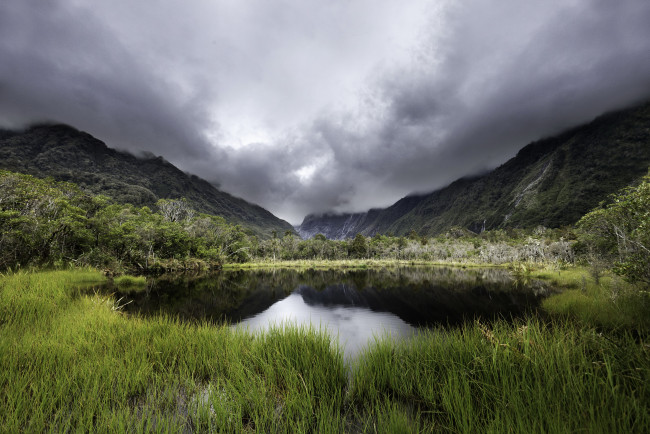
(72, 362)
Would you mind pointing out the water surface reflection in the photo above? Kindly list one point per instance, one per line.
(354, 326)
(353, 304)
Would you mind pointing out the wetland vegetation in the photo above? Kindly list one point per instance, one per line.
(72, 361)
(76, 357)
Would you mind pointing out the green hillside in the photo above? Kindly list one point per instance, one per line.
(552, 182)
(67, 154)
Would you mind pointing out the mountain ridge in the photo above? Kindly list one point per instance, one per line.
(551, 182)
(67, 154)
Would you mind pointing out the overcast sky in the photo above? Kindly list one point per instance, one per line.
(309, 106)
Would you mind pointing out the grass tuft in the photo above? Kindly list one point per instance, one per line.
(129, 283)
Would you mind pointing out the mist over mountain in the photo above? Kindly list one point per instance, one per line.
(550, 182)
(315, 106)
(66, 154)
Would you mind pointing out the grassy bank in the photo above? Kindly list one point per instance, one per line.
(351, 263)
(601, 299)
(72, 362)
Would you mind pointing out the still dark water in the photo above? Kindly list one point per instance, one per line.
(354, 305)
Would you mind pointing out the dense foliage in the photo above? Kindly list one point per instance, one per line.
(48, 222)
(620, 232)
(457, 245)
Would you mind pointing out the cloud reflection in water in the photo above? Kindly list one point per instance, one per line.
(355, 326)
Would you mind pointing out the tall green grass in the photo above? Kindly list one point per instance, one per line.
(70, 362)
(604, 301)
(78, 363)
(525, 377)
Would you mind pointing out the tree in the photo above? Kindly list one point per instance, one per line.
(289, 245)
(359, 248)
(41, 221)
(175, 210)
(621, 230)
(401, 244)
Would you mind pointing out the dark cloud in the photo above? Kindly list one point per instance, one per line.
(62, 64)
(315, 106)
(494, 87)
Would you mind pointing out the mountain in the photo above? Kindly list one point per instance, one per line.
(333, 226)
(551, 182)
(67, 154)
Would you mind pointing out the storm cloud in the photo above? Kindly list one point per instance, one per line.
(309, 106)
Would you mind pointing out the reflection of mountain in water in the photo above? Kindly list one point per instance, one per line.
(417, 295)
(428, 305)
(334, 295)
(215, 298)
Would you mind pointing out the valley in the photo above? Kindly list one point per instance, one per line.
(165, 304)
(552, 183)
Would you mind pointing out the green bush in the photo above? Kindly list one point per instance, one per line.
(44, 222)
(621, 231)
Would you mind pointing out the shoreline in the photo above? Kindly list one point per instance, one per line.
(564, 372)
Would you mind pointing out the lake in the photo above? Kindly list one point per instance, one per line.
(355, 305)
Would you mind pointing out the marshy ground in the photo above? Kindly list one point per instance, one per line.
(75, 362)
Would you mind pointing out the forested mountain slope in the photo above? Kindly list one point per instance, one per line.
(67, 154)
(551, 182)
